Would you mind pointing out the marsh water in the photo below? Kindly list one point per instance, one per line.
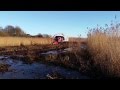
(38, 70)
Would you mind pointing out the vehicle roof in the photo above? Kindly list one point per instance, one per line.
(59, 34)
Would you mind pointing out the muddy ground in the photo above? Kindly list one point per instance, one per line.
(39, 62)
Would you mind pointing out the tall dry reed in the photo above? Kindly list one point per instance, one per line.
(104, 49)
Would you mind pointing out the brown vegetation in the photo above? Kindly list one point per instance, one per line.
(103, 47)
(18, 41)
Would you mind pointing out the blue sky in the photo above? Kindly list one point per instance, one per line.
(70, 23)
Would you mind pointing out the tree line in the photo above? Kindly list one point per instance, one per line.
(16, 31)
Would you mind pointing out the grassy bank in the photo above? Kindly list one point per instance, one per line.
(17, 41)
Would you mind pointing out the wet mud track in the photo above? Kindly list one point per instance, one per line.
(12, 67)
(19, 70)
